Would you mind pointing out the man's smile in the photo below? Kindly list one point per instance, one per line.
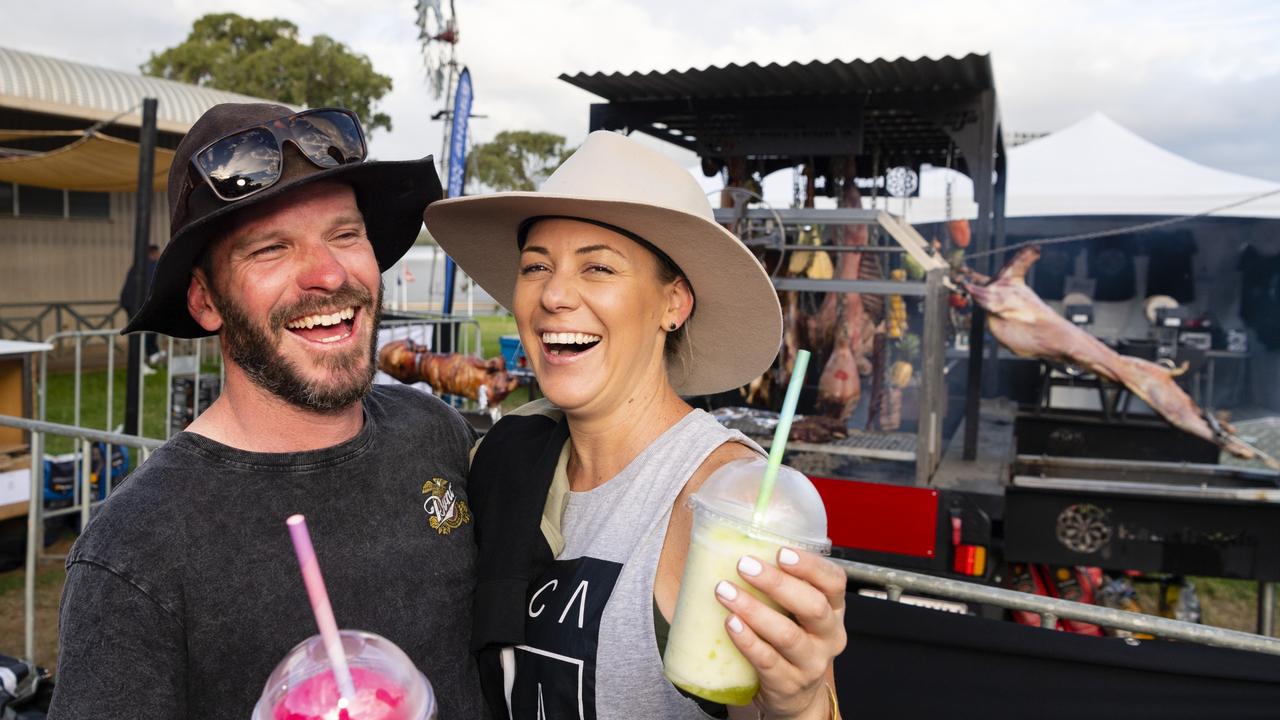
(325, 327)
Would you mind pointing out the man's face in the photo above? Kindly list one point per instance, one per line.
(297, 292)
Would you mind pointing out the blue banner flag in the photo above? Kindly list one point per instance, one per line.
(457, 166)
(458, 134)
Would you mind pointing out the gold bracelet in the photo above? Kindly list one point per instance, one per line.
(831, 693)
(835, 703)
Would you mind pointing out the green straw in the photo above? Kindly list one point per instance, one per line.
(780, 434)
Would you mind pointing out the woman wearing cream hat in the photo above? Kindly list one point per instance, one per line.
(627, 296)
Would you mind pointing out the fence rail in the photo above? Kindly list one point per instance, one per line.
(1050, 610)
(895, 582)
(81, 491)
(32, 322)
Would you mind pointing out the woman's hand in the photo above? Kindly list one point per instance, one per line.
(792, 657)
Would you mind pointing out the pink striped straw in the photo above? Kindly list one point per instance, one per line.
(321, 607)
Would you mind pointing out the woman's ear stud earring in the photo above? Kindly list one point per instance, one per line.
(672, 327)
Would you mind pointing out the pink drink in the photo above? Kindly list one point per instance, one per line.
(377, 698)
(387, 685)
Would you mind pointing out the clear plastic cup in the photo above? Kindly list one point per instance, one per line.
(700, 658)
(388, 685)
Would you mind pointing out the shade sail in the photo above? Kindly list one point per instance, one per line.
(94, 163)
(11, 135)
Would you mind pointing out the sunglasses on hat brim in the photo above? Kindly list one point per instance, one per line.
(251, 159)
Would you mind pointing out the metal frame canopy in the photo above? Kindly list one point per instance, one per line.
(878, 114)
(884, 113)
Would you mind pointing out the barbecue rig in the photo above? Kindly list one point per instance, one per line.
(1113, 488)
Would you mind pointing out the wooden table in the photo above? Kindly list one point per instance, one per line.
(17, 399)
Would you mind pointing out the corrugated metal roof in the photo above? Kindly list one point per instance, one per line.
(61, 87)
(838, 77)
(883, 112)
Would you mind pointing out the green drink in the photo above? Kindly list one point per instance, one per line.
(700, 657)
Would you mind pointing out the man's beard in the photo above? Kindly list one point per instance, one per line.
(256, 350)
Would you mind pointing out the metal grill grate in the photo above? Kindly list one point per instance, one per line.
(877, 445)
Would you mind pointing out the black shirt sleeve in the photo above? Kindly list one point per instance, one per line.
(121, 654)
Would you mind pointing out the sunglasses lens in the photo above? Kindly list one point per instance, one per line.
(242, 164)
(329, 138)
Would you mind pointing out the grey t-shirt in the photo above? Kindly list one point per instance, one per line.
(183, 593)
(590, 650)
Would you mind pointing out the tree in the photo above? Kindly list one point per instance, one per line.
(516, 160)
(266, 59)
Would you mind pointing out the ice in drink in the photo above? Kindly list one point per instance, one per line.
(700, 657)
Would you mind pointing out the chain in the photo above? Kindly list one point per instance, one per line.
(1121, 231)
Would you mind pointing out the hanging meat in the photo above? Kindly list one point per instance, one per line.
(1022, 322)
(840, 388)
(448, 373)
(844, 316)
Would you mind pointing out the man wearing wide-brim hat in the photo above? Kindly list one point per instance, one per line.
(183, 592)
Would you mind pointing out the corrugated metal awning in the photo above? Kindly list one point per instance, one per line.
(42, 84)
(838, 77)
(883, 112)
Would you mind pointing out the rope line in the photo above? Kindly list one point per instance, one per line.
(1121, 231)
(99, 125)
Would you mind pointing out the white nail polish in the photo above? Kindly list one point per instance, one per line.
(735, 624)
(749, 566)
(726, 590)
(787, 556)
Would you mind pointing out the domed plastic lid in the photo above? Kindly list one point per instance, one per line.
(388, 685)
(795, 516)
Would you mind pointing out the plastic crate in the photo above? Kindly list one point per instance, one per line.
(513, 352)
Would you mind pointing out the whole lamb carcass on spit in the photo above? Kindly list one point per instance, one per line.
(1022, 322)
(451, 373)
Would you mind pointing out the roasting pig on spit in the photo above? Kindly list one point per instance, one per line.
(450, 373)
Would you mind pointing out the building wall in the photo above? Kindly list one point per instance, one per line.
(53, 260)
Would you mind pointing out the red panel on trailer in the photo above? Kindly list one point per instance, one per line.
(880, 517)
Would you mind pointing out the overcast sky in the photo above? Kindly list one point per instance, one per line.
(1200, 78)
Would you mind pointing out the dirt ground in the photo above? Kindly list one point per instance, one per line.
(49, 581)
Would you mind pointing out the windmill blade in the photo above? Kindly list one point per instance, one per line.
(429, 13)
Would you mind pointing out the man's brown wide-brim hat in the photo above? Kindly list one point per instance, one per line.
(391, 196)
(736, 327)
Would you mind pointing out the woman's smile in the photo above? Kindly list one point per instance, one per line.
(566, 347)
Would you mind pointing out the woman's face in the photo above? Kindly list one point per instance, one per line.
(591, 311)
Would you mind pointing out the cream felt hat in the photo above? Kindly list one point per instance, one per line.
(736, 327)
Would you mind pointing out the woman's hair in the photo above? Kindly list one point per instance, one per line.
(668, 271)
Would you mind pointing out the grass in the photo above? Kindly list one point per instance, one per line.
(493, 327)
(49, 580)
(60, 404)
(1228, 603)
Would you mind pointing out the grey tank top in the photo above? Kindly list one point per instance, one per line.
(590, 647)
